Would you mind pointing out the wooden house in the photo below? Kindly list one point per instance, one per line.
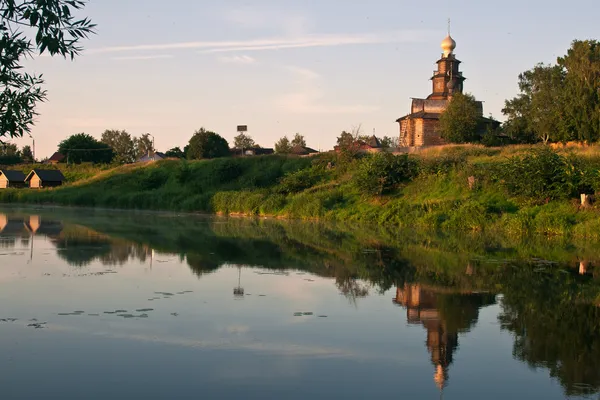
(11, 179)
(299, 150)
(56, 158)
(43, 178)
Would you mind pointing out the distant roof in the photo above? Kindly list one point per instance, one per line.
(13, 176)
(301, 150)
(48, 175)
(420, 114)
(57, 157)
(374, 142)
(157, 156)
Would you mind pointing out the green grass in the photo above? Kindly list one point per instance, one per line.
(436, 196)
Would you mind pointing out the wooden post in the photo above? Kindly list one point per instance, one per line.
(472, 182)
(586, 200)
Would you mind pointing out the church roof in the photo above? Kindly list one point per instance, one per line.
(420, 115)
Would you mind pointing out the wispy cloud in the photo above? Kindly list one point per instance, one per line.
(149, 57)
(310, 98)
(277, 43)
(244, 59)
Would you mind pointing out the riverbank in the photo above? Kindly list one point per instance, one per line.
(515, 190)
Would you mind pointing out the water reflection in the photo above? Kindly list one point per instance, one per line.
(444, 314)
(548, 304)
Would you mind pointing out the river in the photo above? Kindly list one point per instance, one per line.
(121, 305)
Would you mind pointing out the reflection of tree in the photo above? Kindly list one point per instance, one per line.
(552, 331)
(444, 314)
(352, 289)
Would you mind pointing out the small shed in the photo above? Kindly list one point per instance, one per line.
(11, 179)
(43, 178)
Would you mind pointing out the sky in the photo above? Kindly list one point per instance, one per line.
(316, 67)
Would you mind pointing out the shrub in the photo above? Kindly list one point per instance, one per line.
(379, 173)
(300, 180)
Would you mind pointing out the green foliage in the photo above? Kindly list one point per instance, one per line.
(143, 145)
(206, 144)
(243, 141)
(175, 152)
(27, 154)
(380, 173)
(298, 181)
(559, 102)
(298, 140)
(123, 146)
(541, 174)
(84, 148)
(56, 31)
(460, 120)
(10, 154)
(283, 146)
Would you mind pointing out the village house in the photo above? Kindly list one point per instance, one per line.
(56, 158)
(43, 178)
(152, 156)
(253, 151)
(11, 179)
(299, 150)
(421, 127)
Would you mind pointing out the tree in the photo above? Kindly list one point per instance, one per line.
(298, 140)
(345, 140)
(84, 148)
(144, 145)
(243, 141)
(581, 68)
(537, 110)
(283, 146)
(459, 122)
(56, 31)
(122, 144)
(175, 152)
(10, 154)
(27, 154)
(389, 142)
(207, 144)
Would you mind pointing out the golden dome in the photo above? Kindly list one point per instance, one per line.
(448, 45)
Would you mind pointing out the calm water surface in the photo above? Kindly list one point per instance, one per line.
(98, 305)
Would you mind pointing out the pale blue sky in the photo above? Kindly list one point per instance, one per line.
(315, 66)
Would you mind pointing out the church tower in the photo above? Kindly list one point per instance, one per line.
(448, 79)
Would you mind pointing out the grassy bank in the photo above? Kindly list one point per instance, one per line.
(517, 190)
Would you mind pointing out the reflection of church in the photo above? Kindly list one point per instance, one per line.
(444, 315)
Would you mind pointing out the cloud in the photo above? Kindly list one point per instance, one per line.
(277, 43)
(238, 59)
(149, 57)
(308, 98)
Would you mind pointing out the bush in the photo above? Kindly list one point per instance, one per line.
(379, 173)
(540, 174)
(300, 180)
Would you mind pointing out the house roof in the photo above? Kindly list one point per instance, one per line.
(48, 175)
(302, 150)
(13, 176)
(58, 157)
(147, 157)
(374, 142)
(420, 114)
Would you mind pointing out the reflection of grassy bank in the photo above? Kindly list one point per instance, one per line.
(535, 193)
(382, 256)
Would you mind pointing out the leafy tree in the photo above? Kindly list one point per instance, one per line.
(175, 152)
(84, 148)
(122, 144)
(581, 91)
(298, 140)
(389, 142)
(459, 122)
(243, 141)
(56, 31)
(345, 140)
(207, 144)
(538, 109)
(283, 146)
(144, 145)
(9, 154)
(27, 154)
